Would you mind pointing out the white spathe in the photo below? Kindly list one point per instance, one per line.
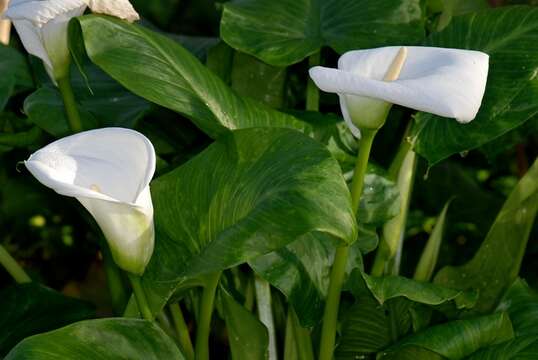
(108, 170)
(444, 82)
(42, 26)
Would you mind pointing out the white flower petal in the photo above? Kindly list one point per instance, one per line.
(445, 82)
(39, 12)
(108, 171)
(32, 40)
(119, 8)
(118, 162)
(129, 230)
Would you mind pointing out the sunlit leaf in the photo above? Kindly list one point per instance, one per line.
(100, 339)
(299, 28)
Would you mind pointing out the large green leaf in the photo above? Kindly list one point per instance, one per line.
(248, 336)
(510, 99)
(496, 264)
(286, 31)
(30, 309)
(15, 73)
(110, 339)
(456, 339)
(159, 69)
(252, 192)
(301, 270)
(521, 348)
(105, 103)
(390, 287)
(521, 303)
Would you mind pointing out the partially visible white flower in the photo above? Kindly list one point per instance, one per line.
(108, 171)
(445, 82)
(119, 8)
(42, 26)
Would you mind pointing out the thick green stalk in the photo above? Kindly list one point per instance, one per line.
(182, 331)
(330, 316)
(70, 104)
(312, 91)
(265, 312)
(140, 296)
(12, 267)
(204, 320)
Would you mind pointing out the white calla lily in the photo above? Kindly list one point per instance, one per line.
(42, 26)
(444, 82)
(108, 170)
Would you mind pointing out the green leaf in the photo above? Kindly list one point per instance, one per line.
(390, 287)
(521, 348)
(367, 326)
(247, 335)
(380, 200)
(29, 309)
(456, 339)
(15, 74)
(21, 139)
(106, 104)
(521, 303)
(257, 80)
(297, 29)
(428, 259)
(45, 108)
(160, 70)
(111, 339)
(251, 192)
(496, 264)
(511, 90)
(301, 271)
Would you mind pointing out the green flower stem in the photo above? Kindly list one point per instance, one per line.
(330, 316)
(12, 267)
(73, 116)
(204, 320)
(265, 313)
(312, 91)
(182, 331)
(140, 296)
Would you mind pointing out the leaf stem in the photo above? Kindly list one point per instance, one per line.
(140, 296)
(182, 331)
(312, 91)
(118, 295)
(265, 312)
(330, 316)
(204, 320)
(70, 105)
(12, 267)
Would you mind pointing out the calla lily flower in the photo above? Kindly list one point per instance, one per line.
(444, 82)
(42, 26)
(108, 171)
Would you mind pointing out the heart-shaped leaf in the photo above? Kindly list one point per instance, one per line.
(251, 192)
(29, 309)
(512, 87)
(100, 339)
(299, 28)
(159, 69)
(15, 73)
